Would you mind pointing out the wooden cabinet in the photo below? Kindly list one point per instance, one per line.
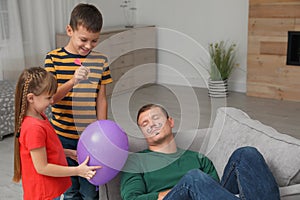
(132, 55)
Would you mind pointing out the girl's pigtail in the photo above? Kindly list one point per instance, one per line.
(20, 110)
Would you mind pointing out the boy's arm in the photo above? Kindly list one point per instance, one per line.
(80, 74)
(101, 103)
(63, 90)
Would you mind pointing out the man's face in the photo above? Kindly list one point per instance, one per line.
(155, 125)
(82, 41)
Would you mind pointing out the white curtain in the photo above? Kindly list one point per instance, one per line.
(41, 19)
(11, 48)
(32, 26)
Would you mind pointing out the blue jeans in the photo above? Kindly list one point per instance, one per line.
(246, 174)
(81, 188)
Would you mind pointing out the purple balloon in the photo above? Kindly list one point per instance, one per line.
(107, 145)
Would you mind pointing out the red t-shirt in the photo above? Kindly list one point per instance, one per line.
(36, 133)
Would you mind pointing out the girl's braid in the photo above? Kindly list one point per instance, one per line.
(24, 102)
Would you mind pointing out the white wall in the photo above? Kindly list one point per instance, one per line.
(111, 11)
(205, 22)
(185, 30)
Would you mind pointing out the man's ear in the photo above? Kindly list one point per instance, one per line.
(30, 97)
(171, 121)
(69, 30)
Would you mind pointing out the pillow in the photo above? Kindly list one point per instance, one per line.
(233, 128)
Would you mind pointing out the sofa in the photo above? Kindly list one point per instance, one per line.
(233, 128)
(7, 118)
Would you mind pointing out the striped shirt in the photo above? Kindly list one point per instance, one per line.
(72, 114)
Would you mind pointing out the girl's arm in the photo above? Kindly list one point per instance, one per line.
(39, 159)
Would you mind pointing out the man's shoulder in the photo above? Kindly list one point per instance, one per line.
(193, 153)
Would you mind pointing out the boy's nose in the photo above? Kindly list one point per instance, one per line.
(89, 45)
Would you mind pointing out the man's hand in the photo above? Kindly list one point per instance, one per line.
(162, 194)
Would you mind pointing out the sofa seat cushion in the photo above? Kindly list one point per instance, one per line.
(233, 128)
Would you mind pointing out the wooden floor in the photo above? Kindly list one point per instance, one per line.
(190, 107)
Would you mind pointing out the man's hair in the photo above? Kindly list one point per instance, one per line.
(148, 107)
(88, 16)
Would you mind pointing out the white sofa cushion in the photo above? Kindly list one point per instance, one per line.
(233, 128)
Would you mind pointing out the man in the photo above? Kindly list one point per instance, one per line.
(164, 171)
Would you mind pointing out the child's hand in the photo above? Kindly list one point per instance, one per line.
(86, 171)
(71, 154)
(81, 74)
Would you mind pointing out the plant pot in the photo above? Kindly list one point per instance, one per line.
(217, 88)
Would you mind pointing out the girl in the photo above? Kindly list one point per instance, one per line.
(39, 158)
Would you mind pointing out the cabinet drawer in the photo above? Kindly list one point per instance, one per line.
(123, 61)
(145, 56)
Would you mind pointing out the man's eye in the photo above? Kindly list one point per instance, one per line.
(156, 117)
(144, 125)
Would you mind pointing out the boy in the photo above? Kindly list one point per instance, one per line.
(80, 99)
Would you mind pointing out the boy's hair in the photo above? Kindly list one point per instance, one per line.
(148, 107)
(88, 16)
(34, 80)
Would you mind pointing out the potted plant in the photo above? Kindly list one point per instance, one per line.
(222, 62)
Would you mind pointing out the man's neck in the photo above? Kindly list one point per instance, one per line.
(166, 148)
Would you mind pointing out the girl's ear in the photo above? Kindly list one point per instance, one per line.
(30, 97)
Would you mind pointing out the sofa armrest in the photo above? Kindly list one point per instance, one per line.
(192, 139)
(291, 192)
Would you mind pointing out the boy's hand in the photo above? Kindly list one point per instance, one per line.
(71, 154)
(81, 74)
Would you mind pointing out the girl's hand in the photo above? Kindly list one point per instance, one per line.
(86, 171)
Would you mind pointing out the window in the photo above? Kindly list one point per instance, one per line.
(4, 27)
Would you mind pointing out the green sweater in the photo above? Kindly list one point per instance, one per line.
(146, 173)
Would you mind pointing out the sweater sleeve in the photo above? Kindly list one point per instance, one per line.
(208, 167)
(133, 188)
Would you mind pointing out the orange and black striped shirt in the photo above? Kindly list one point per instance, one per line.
(72, 114)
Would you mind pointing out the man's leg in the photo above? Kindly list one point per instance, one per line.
(197, 185)
(248, 175)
